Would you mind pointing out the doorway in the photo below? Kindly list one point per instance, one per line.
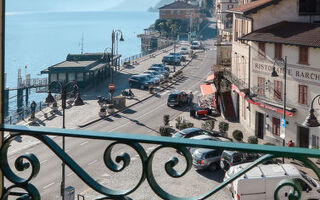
(303, 137)
(259, 125)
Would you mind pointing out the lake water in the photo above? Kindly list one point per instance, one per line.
(39, 40)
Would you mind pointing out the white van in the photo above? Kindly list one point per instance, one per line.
(260, 182)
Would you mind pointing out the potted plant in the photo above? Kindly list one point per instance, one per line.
(54, 106)
(102, 112)
(110, 108)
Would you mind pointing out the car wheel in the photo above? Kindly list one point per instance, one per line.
(213, 167)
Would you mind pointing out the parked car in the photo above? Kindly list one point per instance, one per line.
(232, 158)
(206, 158)
(184, 50)
(141, 81)
(179, 56)
(171, 60)
(177, 98)
(196, 45)
(155, 74)
(160, 65)
(261, 182)
(160, 70)
(153, 78)
(191, 132)
(208, 137)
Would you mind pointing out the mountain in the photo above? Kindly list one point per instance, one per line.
(160, 4)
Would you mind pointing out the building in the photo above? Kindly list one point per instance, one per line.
(87, 69)
(180, 10)
(224, 19)
(265, 32)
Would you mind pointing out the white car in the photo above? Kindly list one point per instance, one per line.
(184, 50)
(196, 45)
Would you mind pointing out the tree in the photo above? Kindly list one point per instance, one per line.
(208, 125)
(252, 140)
(166, 120)
(237, 135)
(223, 127)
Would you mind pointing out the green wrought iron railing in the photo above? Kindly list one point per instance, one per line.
(122, 161)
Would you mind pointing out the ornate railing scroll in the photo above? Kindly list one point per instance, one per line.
(120, 162)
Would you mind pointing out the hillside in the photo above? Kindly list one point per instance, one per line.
(160, 4)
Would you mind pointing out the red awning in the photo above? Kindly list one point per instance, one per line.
(207, 89)
(210, 77)
(262, 104)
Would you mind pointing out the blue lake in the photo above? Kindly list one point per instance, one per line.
(39, 40)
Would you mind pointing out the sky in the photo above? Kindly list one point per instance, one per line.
(77, 5)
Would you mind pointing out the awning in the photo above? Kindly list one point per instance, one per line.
(210, 77)
(266, 105)
(207, 89)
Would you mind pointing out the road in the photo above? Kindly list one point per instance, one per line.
(143, 118)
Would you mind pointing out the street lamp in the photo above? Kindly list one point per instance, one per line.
(311, 120)
(275, 74)
(63, 86)
(114, 38)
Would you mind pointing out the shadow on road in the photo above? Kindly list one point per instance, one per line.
(217, 175)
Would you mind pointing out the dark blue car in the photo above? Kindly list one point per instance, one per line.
(141, 81)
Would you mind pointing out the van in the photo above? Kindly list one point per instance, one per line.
(261, 182)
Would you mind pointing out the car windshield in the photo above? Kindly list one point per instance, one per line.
(194, 43)
(183, 48)
(144, 78)
(198, 154)
(178, 135)
(226, 156)
(172, 96)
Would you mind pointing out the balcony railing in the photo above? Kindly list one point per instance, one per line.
(241, 84)
(135, 142)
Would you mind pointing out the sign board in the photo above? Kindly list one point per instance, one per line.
(111, 86)
(282, 128)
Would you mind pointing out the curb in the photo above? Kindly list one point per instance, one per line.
(146, 98)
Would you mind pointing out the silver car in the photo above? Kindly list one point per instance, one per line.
(155, 73)
(206, 159)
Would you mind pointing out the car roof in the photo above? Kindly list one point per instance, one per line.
(204, 150)
(271, 170)
(203, 137)
(189, 130)
(140, 75)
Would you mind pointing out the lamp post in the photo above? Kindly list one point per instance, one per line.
(275, 74)
(63, 86)
(311, 120)
(114, 38)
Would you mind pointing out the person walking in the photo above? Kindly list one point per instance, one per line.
(290, 143)
(190, 98)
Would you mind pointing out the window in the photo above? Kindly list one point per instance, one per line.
(172, 12)
(275, 126)
(303, 94)
(303, 55)
(262, 49)
(315, 141)
(188, 12)
(261, 84)
(309, 7)
(236, 29)
(178, 12)
(277, 90)
(277, 51)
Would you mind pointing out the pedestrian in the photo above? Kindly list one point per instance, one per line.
(290, 143)
(190, 98)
